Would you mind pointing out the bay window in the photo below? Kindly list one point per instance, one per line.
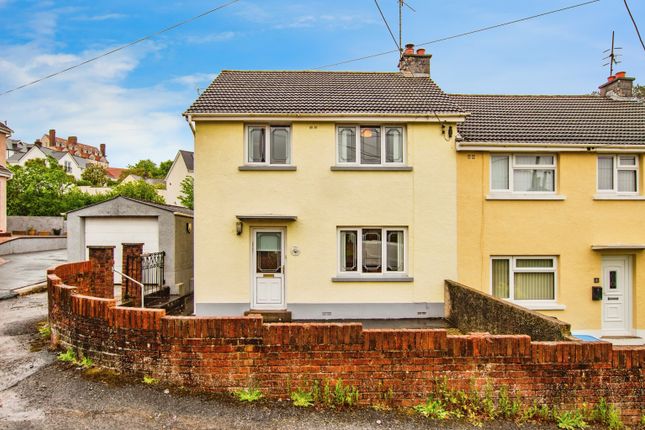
(370, 145)
(522, 173)
(269, 145)
(372, 250)
(524, 278)
(618, 174)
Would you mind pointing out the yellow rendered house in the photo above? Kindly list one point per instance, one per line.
(354, 195)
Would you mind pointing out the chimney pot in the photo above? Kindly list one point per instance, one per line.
(412, 64)
(102, 146)
(618, 85)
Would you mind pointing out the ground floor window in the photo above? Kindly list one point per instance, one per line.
(524, 278)
(372, 250)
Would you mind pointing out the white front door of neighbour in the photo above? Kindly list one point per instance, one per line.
(268, 274)
(616, 296)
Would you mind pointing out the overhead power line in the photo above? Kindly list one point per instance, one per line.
(635, 25)
(122, 47)
(387, 25)
(467, 33)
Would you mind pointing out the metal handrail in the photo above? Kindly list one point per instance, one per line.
(136, 282)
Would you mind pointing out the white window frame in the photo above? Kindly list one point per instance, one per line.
(357, 131)
(512, 267)
(267, 145)
(67, 166)
(618, 167)
(512, 166)
(359, 251)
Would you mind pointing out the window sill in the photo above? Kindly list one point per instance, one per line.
(374, 279)
(267, 168)
(511, 196)
(618, 197)
(540, 306)
(371, 168)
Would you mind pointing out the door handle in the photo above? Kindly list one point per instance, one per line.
(612, 298)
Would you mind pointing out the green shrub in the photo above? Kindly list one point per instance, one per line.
(44, 330)
(570, 420)
(248, 395)
(608, 415)
(302, 398)
(150, 380)
(434, 409)
(68, 356)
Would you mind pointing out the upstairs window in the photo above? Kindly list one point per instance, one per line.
(370, 145)
(68, 166)
(522, 173)
(618, 174)
(268, 145)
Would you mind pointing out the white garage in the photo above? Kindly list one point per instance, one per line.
(105, 231)
(124, 220)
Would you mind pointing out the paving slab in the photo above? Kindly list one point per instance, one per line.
(20, 270)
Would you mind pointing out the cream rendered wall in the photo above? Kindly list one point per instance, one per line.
(76, 170)
(423, 199)
(566, 229)
(177, 173)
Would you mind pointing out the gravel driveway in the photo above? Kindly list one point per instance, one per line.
(37, 392)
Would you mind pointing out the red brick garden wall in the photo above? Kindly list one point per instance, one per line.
(224, 354)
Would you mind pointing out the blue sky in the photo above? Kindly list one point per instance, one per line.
(133, 100)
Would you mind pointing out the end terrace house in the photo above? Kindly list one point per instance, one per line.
(327, 194)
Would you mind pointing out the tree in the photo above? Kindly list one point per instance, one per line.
(639, 91)
(164, 168)
(95, 174)
(140, 190)
(186, 196)
(144, 168)
(38, 188)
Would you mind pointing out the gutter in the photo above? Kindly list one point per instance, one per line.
(191, 123)
(544, 147)
(337, 117)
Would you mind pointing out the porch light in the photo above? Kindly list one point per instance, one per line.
(238, 227)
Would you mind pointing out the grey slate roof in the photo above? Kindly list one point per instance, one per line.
(552, 119)
(189, 159)
(4, 172)
(313, 92)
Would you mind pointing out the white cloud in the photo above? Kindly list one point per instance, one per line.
(104, 17)
(210, 38)
(93, 102)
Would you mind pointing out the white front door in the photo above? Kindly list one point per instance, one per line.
(268, 269)
(616, 296)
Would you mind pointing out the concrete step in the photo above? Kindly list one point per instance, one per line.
(271, 316)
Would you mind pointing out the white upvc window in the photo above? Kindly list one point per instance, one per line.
(523, 173)
(618, 174)
(372, 251)
(524, 279)
(370, 145)
(68, 166)
(268, 145)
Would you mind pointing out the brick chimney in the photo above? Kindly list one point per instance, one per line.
(72, 140)
(52, 137)
(618, 86)
(102, 146)
(415, 63)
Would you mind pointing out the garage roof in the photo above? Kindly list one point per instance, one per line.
(170, 208)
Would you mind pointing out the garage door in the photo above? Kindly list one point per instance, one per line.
(113, 231)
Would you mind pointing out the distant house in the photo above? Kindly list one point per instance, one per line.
(5, 175)
(182, 167)
(72, 164)
(75, 148)
(114, 173)
(135, 178)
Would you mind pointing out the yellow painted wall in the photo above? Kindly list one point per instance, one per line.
(566, 229)
(423, 200)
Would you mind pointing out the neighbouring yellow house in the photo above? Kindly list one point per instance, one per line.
(350, 195)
